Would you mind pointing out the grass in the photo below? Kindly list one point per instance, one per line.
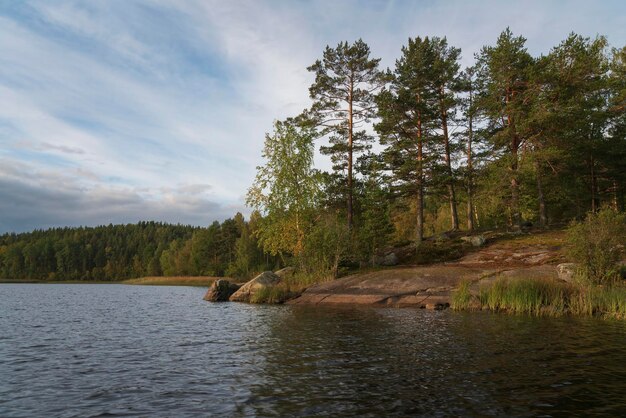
(462, 298)
(289, 288)
(204, 281)
(544, 297)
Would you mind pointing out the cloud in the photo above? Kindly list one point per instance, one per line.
(159, 107)
(33, 199)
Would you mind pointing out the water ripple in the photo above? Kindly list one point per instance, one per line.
(113, 350)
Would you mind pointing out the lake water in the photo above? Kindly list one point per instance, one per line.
(115, 350)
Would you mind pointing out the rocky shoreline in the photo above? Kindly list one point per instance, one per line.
(419, 286)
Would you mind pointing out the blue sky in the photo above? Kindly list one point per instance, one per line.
(125, 110)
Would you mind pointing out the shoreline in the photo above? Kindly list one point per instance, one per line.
(195, 281)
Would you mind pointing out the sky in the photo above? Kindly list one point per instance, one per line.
(126, 110)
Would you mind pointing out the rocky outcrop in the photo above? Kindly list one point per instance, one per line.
(247, 291)
(427, 287)
(220, 291)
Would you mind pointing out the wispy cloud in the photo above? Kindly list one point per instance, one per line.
(124, 110)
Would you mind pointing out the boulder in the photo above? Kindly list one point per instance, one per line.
(476, 240)
(245, 292)
(566, 272)
(390, 259)
(220, 291)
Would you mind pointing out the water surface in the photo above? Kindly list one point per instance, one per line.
(95, 350)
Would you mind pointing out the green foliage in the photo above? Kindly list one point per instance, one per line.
(597, 245)
(285, 189)
(346, 79)
(375, 228)
(325, 246)
(119, 252)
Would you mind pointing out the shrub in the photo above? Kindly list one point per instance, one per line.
(597, 245)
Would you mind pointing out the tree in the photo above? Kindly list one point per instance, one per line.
(569, 116)
(376, 227)
(469, 116)
(285, 188)
(445, 73)
(503, 72)
(346, 80)
(407, 111)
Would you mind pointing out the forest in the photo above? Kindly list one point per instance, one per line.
(426, 147)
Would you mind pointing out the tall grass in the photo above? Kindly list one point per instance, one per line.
(546, 298)
(289, 288)
(462, 298)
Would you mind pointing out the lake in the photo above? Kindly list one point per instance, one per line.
(117, 350)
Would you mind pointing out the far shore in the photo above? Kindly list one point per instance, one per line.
(201, 281)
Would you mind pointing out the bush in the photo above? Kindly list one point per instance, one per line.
(597, 245)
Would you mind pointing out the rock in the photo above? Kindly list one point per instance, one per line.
(285, 272)
(444, 236)
(566, 272)
(476, 240)
(245, 292)
(220, 291)
(390, 259)
(436, 306)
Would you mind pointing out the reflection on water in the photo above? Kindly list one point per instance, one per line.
(81, 350)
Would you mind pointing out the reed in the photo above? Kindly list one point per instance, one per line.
(462, 298)
(544, 297)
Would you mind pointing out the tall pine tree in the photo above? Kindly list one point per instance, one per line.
(346, 79)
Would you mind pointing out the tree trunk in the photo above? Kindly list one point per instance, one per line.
(593, 186)
(470, 167)
(451, 194)
(543, 219)
(420, 182)
(350, 187)
(516, 219)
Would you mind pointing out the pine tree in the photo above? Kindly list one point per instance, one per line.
(346, 80)
(444, 79)
(408, 111)
(469, 116)
(503, 72)
(569, 114)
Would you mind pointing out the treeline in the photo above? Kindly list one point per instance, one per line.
(512, 140)
(118, 252)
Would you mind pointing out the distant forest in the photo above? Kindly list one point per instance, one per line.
(512, 140)
(118, 252)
